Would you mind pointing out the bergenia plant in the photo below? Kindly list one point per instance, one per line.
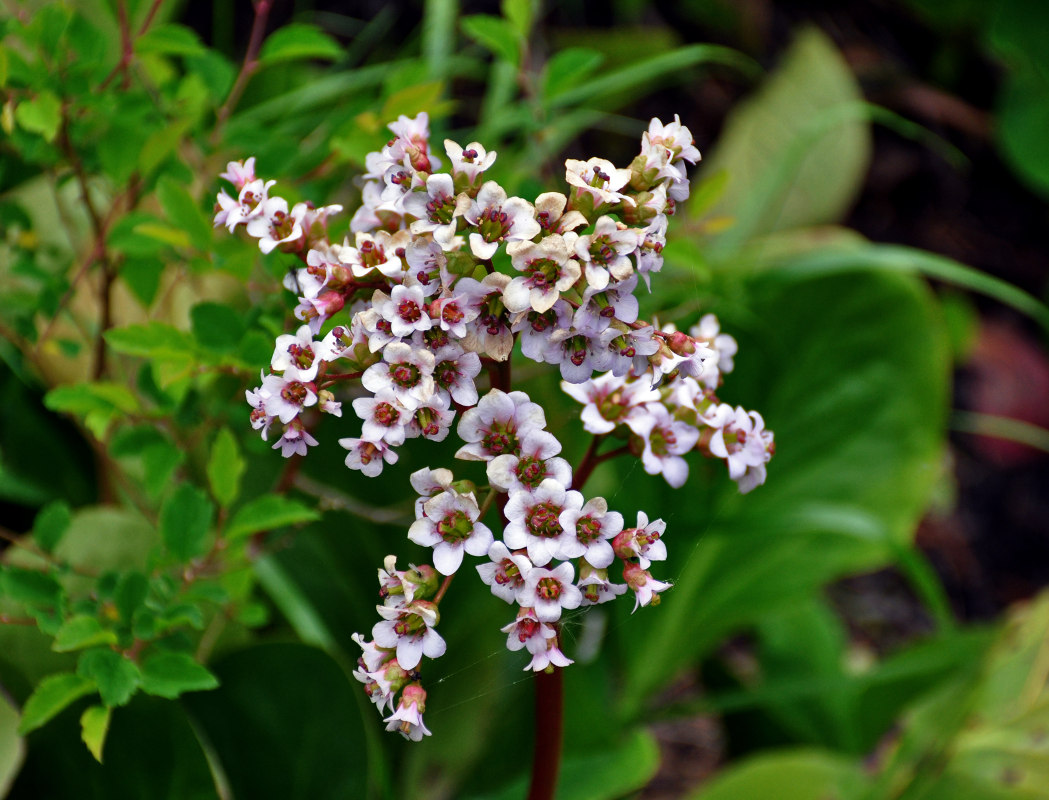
(441, 275)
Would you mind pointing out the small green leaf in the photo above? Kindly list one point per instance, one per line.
(267, 513)
(53, 693)
(130, 593)
(185, 519)
(521, 14)
(81, 631)
(184, 212)
(153, 340)
(296, 42)
(225, 467)
(216, 326)
(170, 674)
(142, 276)
(117, 677)
(85, 398)
(29, 586)
(494, 34)
(170, 39)
(51, 524)
(12, 746)
(42, 115)
(94, 724)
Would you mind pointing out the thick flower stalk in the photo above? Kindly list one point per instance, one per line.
(440, 276)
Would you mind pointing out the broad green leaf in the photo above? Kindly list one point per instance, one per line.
(494, 34)
(185, 521)
(413, 99)
(170, 39)
(94, 724)
(117, 677)
(30, 586)
(151, 751)
(788, 775)
(53, 694)
(298, 41)
(225, 467)
(842, 495)
(249, 721)
(172, 674)
(184, 212)
(151, 340)
(82, 631)
(51, 524)
(797, 152)
(105, 538)
(12, 746)
(41, 114)
(1022, 119)
(267, 513)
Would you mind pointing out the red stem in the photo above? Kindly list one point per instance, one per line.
(258, 30)
(549, 731)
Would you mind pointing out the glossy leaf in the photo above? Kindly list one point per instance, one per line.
(116, 676)
(94, 724)
(51, 695)
(298, 41)
(82, 631)
(267, 513)
(170, 39)
(172, 674)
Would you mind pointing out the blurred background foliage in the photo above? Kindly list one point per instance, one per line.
(868, 221)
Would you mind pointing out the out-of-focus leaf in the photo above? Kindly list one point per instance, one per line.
(185, 521)
(225, 467)
(51, 524)
(568, 68)
(796, 153)
(1022, 119)
(520, 14)
(788, 775)
(170, 39)
(172, 674)
(151, 340)
(298, 41)
(267, 513)
(216, 326)
(41, 114)
(262, 699)
(117, 677)
(494, 34)
(94, 724)
(51, 695)
(182, 211)
(82, 631)
(30, 586)
(83, 398)
(12, 746)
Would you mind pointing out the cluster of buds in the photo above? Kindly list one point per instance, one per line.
(444, 274)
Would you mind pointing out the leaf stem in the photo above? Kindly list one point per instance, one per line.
(549, 733)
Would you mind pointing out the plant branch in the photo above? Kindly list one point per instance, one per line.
(549, 732)
(248, 68)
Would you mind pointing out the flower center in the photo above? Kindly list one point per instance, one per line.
(294, 393)
(405, 375)
(386, 415)
(542, 521)
(455, 527)
(548, 588)
(531, 471)
(587, 529)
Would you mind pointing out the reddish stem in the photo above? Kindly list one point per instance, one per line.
(549, 731)
(258, 30)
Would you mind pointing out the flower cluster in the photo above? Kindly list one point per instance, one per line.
(444, 274)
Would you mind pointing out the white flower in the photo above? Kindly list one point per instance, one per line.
(498, 219)
(600, 179)
(295, 355)
(534, 463)
(505, 572)
(408, 718)
(384, 417)
(539, 638)
(275, 225)
(666, 440)
(454, 373)
(548, 591)
(471, 162)
(548, 268)
(646, 588)
(593, 525)
(285, 398)
(496, 424)
(745, 445)
(437, 209)
(405, 311)
(407, 370)
(605, 252)
(428, 482)
(449, 525)
(609, 400)
(368, 457)
(551, 216)
(533, 523)
(410, 631)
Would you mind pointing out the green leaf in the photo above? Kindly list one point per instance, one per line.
(797, 152)
(1022, 119)
(298, 41)
(81, 631)
(170, 39)
(494, 34)
(151, 340)
(788, 775)
(262, 699)
(225, 467)
(185, 520)
(94, 724)
(183, 212)
(42, 114)
(172, 674)
(51, 524)
(31, 587)
(117, 677)
(12, 746)
(85, 398)
(520, 14)
(568, 68)
(217, 326)
(267, 513)
(53, 693)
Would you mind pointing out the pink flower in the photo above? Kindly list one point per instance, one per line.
(548, 591)
(409, 630)
(505, 572)
(496, 424)
(449, 525)
(408, 718)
